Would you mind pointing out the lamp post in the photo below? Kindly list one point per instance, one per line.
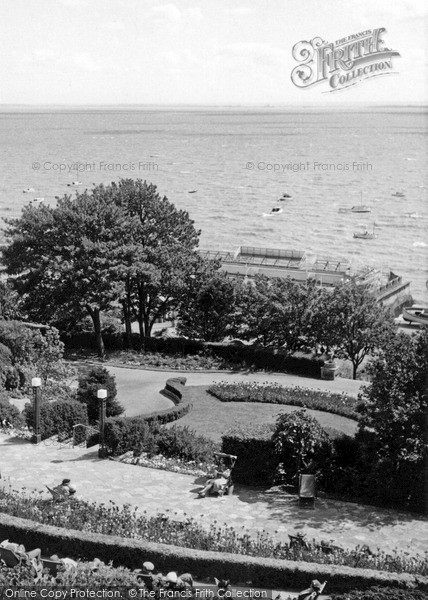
(102, 396)
(36, 382)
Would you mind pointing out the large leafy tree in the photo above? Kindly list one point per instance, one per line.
(160, 257)
(394, 410)
(208, 311)
(120, 244)
(277, 312)
(350, 320)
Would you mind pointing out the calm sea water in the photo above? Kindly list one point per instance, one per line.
(236, 160)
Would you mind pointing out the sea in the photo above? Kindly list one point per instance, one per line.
(228, 167)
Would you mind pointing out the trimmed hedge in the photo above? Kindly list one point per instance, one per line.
(57, 417)
(250, 357)
(257, 462)
(261, 572)
(124, 433)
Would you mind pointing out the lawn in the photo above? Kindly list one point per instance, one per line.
(211, 417)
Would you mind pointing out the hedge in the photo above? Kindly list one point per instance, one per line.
(123, 433)
(378, 593)
(253, 445)
(261, 572)
(248, 356)
(57, 417)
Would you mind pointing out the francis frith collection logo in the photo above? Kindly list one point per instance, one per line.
(343, 63)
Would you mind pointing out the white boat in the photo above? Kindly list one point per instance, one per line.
(365, 235)
(416, 314)
(361, 208)
(37, 200)
(74, 183)
(398, 194)
(276, 210)
(28, 191)
(285, 197)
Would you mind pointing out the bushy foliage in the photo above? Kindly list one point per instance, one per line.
(186, 444)
(9, 412)
(257, 462)
(394, 409)
(123, 435)
(57, 417)
(274, 393)
(128, 522)
(83, 576)
(382, 593)
(89, 383)
(301, 443)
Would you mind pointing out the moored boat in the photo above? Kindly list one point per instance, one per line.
(361, 208)
(416, 314)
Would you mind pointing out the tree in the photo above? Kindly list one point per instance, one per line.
(47, 356)
(395, 404)
(276, 312)
(98, 378)
(350, 320)
(9, 302)
(63, 257)
(208, 310)
(301, 443)
(159, 259)
(120, 244)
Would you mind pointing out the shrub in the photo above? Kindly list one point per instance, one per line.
(274, 393)
(9, 412)
(186, 444)
(301, 443)
(83, 575)
(384, 593)
(57, 417)
(253, 445)
(89, 384)
(127, 433)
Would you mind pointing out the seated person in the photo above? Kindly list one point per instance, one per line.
(147, 576)
(63, 491)
(173, 582)
(312, 592)
(217, 483)
(33, 556)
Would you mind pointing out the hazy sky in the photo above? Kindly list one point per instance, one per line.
(196, 52)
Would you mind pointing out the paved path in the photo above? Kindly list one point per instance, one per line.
(162, 491)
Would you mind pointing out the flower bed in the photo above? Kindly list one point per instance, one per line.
(274, 393)
(164, 463)
(127, 522)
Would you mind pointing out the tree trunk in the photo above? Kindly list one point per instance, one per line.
(127, 321)
(354, 370)
(95, 314)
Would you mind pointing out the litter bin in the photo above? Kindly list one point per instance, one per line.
(328, 371)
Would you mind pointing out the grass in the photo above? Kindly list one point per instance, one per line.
(211, 417)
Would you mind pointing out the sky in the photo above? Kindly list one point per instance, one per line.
(197, 52)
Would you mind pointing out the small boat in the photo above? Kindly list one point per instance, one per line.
(28, 191)
(74, 183)
(365, 235)
(276, 210)
(398, 195)
(37, 200)
(361, 208)
(416, 314)
(285, 197)
(192, 192)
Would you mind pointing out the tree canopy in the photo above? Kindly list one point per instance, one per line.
(120, 244)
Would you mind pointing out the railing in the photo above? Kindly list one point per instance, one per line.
(81, 433)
